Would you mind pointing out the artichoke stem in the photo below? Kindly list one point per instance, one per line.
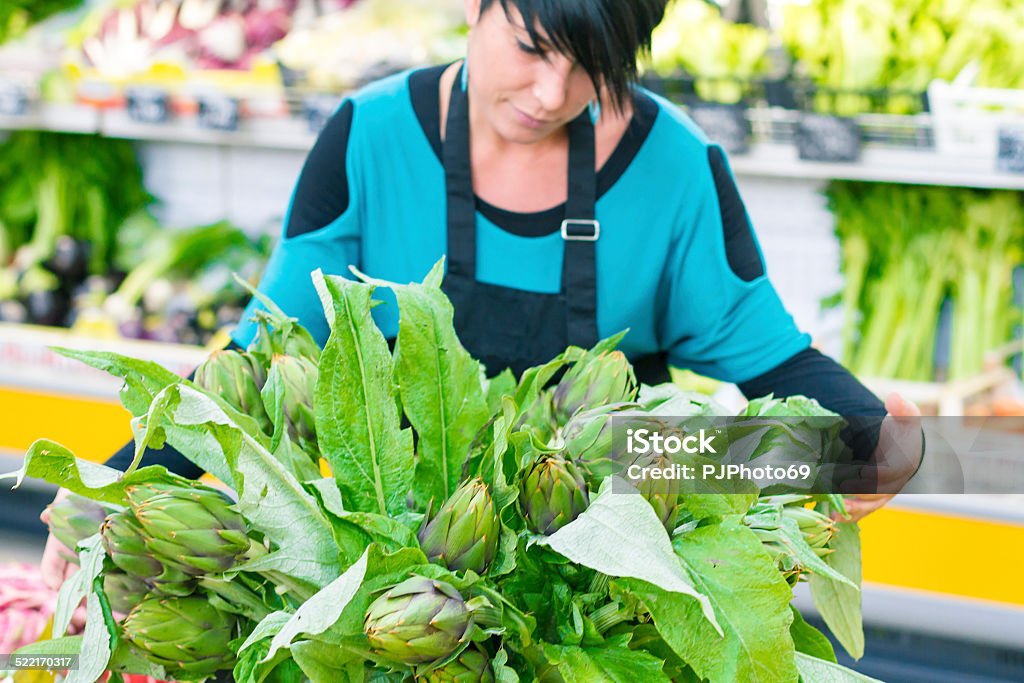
(608, 616)
(237, 595)
(599, 584)
(488, 617)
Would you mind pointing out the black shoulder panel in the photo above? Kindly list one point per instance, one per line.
(322, 191)
(740, 248)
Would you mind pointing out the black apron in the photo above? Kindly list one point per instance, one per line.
(504, 327)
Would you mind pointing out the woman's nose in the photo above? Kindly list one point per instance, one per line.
(550, 86)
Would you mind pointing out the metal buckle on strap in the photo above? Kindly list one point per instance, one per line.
(590, 236)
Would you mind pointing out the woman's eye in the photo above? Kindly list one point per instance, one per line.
(530, 49)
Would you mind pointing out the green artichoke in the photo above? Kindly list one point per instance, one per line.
(471, 666)
(605, 378)
(420, 620)
(552, 493)
(125, 543)
(294, 340)
(73, 519)
(127, 546)
(187, 636)
(816, 528)
(464, 534)
(294, 379)
(124, 591)
(662, 494)
(592, 442)
(238, 378)
(193, 530)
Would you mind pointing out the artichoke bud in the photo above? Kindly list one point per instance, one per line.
(295, 378)
(74, 519)
(598, 442)
(194, 530)
(471, 666)
(300, 344)
(464, 533)
(124, 591)
(663, 494)
(173, 582)
(125, 543)
(238, 378)
(605, 378)
(187, 636)
(419, 620)
(552, 493)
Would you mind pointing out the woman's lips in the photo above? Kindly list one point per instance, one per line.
(527, 120)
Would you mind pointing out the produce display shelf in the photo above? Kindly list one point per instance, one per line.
(56, 118)
(28, 361)
(879, 163)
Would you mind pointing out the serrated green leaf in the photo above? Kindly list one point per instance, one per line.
(810, 640)
(840, 604)
(79, 585)
(440, 387)
(498, 387)
(611, 664)
(329, 663)
(814, 670)
(95, 654)
(789, 535)
(357, 420)
(729, 566)
(143, 379)
(321, 611)
(270, 498)
(268, 627)
(620, 535)
(51, 462)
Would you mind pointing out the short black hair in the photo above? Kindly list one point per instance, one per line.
(605, 37)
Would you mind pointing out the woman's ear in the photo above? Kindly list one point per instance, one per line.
(472, 8)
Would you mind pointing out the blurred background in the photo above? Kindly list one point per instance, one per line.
(148, 149)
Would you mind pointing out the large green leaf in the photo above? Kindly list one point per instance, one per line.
(95, 655)
(814, 670)
(810, 640)
(320, 612)
(729, 566)
(440, 386)
(329, 663)
(143, 379)
(620, 535)
(610, 663)
(838, 603)
(270, 498)
(80, 584)
(51, 462)
(357, 419)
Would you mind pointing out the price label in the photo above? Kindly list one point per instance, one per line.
(318, 110)
(1010, 157)
(13, 99)
(828, 138)
(218, 112)
(148, 105)
(725, 124)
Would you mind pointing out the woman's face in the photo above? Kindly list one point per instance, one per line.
(525, 92)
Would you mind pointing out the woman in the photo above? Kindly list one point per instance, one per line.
(570, 205)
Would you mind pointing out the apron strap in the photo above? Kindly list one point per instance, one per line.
(580, 231)
(459, 182)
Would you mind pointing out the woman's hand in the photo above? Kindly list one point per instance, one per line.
(896, 459)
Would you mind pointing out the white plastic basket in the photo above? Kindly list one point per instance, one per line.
(967, 120)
